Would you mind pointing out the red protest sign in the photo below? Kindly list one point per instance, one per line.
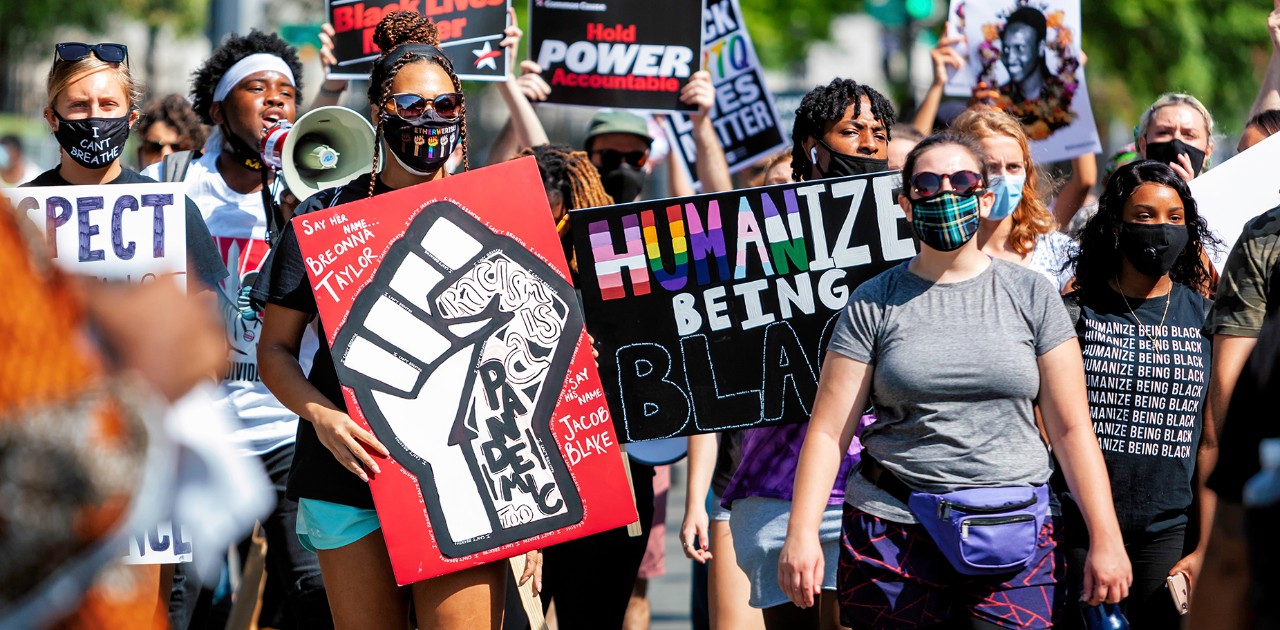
(459, 342)
(470, 31)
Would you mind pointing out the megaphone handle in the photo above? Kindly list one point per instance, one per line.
(271, 208)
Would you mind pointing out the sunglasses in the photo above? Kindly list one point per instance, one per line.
(611, 158)
(155, 147)
(75, 51)
(413, 108)
(928, 185)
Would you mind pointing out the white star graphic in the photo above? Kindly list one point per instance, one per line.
(484, 57)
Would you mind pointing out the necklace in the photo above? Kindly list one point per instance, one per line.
(1167, 299)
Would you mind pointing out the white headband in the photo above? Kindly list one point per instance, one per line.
(252, 64)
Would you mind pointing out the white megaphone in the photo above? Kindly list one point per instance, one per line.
(327, 147)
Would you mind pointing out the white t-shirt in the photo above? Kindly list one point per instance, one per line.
(238, 225)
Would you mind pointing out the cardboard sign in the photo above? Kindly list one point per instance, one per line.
(125, 232)
(163, 544)
(469, 34)
(712, 312)
(744, 116)
(1030, 50)
(459, 342)
(1231, 195)
(631, 54)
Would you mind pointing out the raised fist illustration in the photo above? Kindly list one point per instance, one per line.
(457, 351)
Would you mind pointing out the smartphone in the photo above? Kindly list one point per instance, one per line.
(1180, 591)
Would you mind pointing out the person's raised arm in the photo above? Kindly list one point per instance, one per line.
(1084, 174)
(1269, 92)
(843, 390)
(694, 536)
(944, 56)
(713, 168)
(278, 348)
(523, 129)
(331, 89)
(1065, 409)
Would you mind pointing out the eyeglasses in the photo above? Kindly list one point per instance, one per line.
(612, 158)
(75, 51)
(413, 108)
(928, 185)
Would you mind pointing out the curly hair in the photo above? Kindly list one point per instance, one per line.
(1031, 218)
(396, 29)
(175, 111)
(234, 48)
(825, 105)
(1099, 258)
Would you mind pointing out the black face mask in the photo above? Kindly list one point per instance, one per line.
(1168, 153)
(93, 143)
(420, 149)
(623, 183)
(1152, 249)
(843, 165)
(241, 152)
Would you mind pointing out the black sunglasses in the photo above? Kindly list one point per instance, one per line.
(611, 158)
(75, 51)
(155, 147)
(928, 185)
(413, 108)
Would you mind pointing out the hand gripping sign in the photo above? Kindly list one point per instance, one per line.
(464, 350)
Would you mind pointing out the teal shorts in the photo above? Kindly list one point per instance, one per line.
(325, 525)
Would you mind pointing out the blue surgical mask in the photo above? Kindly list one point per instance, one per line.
(1008, 190)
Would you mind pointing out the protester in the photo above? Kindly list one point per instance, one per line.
(247, 85)
(961, 423)
(1145, 244)
(168, 125)
(841, 129)
(905, 138)
(776, 170)
(1178, 130)
(414, 93)
(1259, 128)
(18, 169)
(1019, 227)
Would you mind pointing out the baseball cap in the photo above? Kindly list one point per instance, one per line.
(618, 122)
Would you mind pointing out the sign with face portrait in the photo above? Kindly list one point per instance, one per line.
(1028, 51)
(459, 342)
(469, 35)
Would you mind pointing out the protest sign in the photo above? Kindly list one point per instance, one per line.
(470, 31)
(744, 116)
(711, 312)
(162, 544)
(1231, 195)
(632, 54)
(1029, 51)
(126, 232)
(459, 342)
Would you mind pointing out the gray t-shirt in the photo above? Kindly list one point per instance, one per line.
(954, 378)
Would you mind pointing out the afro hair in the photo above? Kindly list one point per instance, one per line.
(236, 47)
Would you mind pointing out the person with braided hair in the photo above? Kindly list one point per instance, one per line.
(572, 183)
(414, 96)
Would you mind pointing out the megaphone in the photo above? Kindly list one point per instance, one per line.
(326, 147)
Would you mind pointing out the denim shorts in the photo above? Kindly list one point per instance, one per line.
(759, 527)
(325, 525)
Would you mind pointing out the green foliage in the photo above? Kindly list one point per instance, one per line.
(1139, 49)
(783, 30)
(26, 27)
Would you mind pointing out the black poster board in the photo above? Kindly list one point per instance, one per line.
(469, 33)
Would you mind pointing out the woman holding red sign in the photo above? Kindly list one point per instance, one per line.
(415, 96)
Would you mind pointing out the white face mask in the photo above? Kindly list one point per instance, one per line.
(1008, 191)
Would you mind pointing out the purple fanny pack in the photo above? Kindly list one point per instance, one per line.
(984, 531)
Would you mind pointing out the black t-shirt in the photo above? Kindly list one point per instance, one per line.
(1248, 422)
(727, 456)
(283, 281)
(203, 260)
(1146, 399)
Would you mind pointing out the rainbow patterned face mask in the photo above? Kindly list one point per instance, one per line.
(421, 149)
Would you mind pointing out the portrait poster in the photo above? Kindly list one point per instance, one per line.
(712, 312)
(469, 34)
(623, 54)
(1029, 50)
(744, 116)
(1231, 195)
(459, 343)
(123, 233)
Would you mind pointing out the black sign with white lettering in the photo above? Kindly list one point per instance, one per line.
(744, 116)
(712, 312)
(627, 54)
(470, 31)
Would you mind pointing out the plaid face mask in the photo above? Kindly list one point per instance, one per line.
(945, 222)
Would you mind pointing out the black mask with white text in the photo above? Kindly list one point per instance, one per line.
(93, 143)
